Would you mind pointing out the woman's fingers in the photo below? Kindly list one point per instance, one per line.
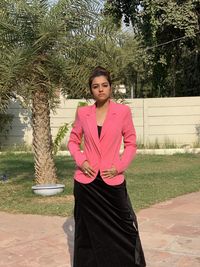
(110, 173)
(87, 169)
(107, 175)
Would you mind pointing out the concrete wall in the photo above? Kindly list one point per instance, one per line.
(163, 120)
(167, 119)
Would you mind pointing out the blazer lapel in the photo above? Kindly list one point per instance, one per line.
(110, 117)
(92, 125)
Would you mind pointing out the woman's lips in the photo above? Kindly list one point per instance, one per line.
(101, 94)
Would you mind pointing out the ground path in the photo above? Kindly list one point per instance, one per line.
(170, 234)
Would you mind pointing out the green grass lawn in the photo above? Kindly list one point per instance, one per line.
(150, 179)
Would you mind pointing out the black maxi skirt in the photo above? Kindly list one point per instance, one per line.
(106, 230)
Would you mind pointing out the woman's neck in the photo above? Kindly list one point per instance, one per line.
(103, 105)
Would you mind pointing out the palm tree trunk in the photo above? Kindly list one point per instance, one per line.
(45, 171)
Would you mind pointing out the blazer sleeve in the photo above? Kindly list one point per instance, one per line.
(75, 141)
(129, 138)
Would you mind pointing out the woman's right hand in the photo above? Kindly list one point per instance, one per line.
(87, 169)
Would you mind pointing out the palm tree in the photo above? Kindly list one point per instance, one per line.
(45, 49)
(110, 47)
(36, 40)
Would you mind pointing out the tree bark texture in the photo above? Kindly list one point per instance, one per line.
(45, 170)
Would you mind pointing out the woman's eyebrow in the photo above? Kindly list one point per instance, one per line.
(99, 83)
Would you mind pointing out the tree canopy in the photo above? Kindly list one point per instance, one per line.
(170, 32)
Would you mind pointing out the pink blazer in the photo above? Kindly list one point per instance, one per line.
(104, 152)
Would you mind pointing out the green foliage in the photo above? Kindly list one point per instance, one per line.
(62, 131)
(37, 41)
(5, 123)
(170, 32)
(59, 137)
(82, 104)
(113, 49)
(60, 46)
(165, 21)
(5, 118)
(126, 9)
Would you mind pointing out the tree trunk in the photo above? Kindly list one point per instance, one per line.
(45, 171)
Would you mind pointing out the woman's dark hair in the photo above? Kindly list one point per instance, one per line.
(99, 71)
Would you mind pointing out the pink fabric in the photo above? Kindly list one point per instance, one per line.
(104, 152)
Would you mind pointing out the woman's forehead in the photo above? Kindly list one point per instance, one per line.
(100, 79)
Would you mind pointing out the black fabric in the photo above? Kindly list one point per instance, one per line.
(99, 128)
(106, 232)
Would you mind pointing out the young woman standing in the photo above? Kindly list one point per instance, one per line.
(106, 230)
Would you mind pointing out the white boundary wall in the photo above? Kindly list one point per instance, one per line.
(156, 120)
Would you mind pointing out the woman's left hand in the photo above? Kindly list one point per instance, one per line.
(110, 173)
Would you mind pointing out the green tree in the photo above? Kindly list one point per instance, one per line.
(36, 41)
(170, 31)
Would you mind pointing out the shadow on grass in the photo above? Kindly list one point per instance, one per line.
(20, 167)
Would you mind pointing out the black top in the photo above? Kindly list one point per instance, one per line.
(99, 130)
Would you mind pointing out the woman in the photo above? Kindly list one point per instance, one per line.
(106, 232)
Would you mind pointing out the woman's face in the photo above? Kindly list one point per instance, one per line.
(101, 89)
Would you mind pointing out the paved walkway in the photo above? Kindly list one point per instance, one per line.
(170, 233)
